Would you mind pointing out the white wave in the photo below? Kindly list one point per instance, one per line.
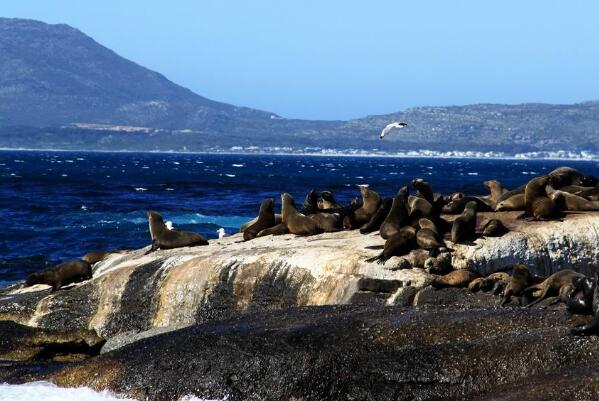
(473, 173)
(50, 392)
(176, 163)
(230, 175)
(64, 175)
(238, 165)
(141, 189)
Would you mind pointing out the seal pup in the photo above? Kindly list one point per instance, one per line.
(464, 227)
(296, 222)
(397, 216)
(423, 189)
(266, 219)
(494, 228)
(520, 280)
(378, 218)
(496, 189)
(559, 283)
(163, 238)
(398, 244)
(456, 278)
(370, 204)
(72, 271)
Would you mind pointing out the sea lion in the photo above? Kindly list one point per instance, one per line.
(492, 281)
(574, 202)
(538, 206)
(297, 223)
(163, 238)
(423, 189)
(457, 206)
(590, 301)
(310, 205)
(370, 204)
(456, 278)
(559, 283)
(279, 229)
(245, 225)
(520, 280)
(420, 207)
(266, 219)
(496, 189)
(378, 218)
(515, 202)
(94, 257)
(397, 216)
(464, 227)
(456, 196)
(328, 201)
(582, 301)
(563, 176)
(494, 228)
(399, 244)
(327, 222)
(428, 236)
(72, 271)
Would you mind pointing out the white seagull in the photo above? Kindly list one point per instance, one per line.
(221, 233)
(389, 127)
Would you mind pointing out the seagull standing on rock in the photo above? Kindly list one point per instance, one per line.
(389, 127)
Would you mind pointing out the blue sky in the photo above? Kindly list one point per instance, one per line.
(343, 59)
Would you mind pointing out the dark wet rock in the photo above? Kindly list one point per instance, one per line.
(127, 338)
(458, 297)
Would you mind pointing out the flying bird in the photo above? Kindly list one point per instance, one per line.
(389, 127)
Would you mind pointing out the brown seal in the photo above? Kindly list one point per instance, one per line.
(423, 189)
(245, 225)
(328, 201)
(575, 203)
(494, 228)
(398, 244)
(559, 283)
(297, 223)
(377, 220)
(72, 271)
(456, 278)
(370, 204)
(94, 257)
(327, 222)
(457, 206)
(563, 176)
(539, 206)
(515, 202)
(496, 189)
(397, 216)
(520, 280)
(266, 219)
(419, 208)
(279, 229)
(489, 283)
(464, 227)
(428, 236)
(163, 238)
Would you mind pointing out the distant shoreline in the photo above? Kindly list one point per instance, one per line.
(423, 154)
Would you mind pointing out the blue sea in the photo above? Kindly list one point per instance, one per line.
(56, 206)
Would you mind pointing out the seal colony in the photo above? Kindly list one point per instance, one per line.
(420, 228)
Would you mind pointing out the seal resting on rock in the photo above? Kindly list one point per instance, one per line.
(520, 280)
(397, 216)
(94, 257)
(398, 244)
(266, 219)
(515, 202)
(496, 190)
(464, 227)
(297, 223)
(559, 283)
(423, 189)
(279, 229)
(370, 204)
(378, 218)
(494, 228)
(428, 237)
(539, 206)
(456, 278)
(72, 271)
(163, 238)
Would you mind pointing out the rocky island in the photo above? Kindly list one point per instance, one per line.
(306, 318)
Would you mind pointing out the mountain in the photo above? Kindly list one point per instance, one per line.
(61, 89)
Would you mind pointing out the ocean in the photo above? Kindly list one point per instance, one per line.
(57, 206)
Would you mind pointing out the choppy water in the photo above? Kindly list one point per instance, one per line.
(61, 205)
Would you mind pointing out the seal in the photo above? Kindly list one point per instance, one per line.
(94, 257)
(456, 278)
(245, 225)
(279, 229)
(423, 189)
(538, 205)
(457, 206)
(515, 202)
(397, 216)
(496, 190)
(72, 271)
(163, 238)
(520, 280)
(266, 219)
(310, 205)
(428, 237)
(327, 222)
(559, 283)
(494, 228)
(574, 202)
(297, 223)
(398, 244)
(378, 218)
(491, 282)
(328, 201)
(370, 204)
(513, 192)
(591, 301)
(420, 207)
(563, 176)
(464, 227)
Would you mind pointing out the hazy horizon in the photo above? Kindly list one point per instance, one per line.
(347, 60)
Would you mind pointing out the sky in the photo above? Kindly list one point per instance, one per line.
(343, 59)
